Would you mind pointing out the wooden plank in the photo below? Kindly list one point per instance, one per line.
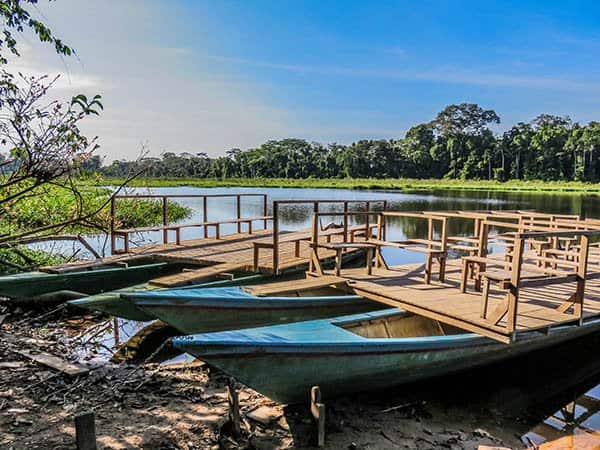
(195, 276)
(54, 362)
(317, 409)
(284, 287)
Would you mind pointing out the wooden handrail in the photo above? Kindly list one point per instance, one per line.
(206, 223)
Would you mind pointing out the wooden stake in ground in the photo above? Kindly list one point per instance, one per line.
(234, 407)
(85, 431)
(318, 411)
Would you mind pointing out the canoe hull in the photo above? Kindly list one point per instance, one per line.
(115, 304)
(30, 285)
(286, 370)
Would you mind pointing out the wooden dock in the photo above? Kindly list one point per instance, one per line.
(547, 276)
(215, 253)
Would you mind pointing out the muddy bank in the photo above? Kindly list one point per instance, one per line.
(185, 406)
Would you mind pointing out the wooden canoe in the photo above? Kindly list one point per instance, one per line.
(369, 351)
(116, 303)
(203, 310)
(30, 285)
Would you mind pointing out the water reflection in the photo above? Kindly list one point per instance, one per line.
(573, 426)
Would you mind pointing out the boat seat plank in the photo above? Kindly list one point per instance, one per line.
(284, 287)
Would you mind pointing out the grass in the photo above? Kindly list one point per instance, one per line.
(53, 204)
(373, 183)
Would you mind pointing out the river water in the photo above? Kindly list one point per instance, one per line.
(546, 396)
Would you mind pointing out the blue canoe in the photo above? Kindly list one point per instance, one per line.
(228, 308)
(355, 353)
(117, 304)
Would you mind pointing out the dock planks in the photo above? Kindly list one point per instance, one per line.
(195, 276)
(402, 287)
(233, 252)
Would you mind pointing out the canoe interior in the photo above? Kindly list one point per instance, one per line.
(400, 325)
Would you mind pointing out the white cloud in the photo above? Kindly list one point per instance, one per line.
(149, 92)
(443, 74)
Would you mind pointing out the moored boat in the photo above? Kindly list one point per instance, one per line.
(361, 352)
(116, 303)
(113, 303)
(215, 309)
(30, 285)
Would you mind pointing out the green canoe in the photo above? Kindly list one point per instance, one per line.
(31, 285)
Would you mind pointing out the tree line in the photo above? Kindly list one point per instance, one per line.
(457, 144)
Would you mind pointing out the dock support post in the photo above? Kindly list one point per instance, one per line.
(85, 431)
(317, 410)
(234, 407)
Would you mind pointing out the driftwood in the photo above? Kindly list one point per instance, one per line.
(54, 362)
(60, 237)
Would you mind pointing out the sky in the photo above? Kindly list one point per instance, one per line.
(211, 75)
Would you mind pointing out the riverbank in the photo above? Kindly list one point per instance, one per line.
(372, 183)
(185, 407)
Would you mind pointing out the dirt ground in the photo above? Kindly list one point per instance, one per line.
(185, 406)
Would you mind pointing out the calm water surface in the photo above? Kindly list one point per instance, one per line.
(545, 397)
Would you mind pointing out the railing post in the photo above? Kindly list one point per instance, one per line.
(239, 212)
(205, 215)
(515, 279)
(345, 221)
(429, 231)
(314, 239)
(383, 222)
(113, 238)
(165, 206)
(265, 211)
(276, 237)
(581, 274)
(368, 229)
(482, 250)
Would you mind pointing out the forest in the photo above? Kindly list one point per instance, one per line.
(458, 144)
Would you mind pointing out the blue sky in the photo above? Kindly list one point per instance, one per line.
(199, 75)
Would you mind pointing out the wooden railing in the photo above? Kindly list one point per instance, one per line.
(274, 245)
(205, 224)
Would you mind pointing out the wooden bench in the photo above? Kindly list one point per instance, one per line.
(434, 250)
(527, 279)
(374, 245)
(339, 248)
(125, 232)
